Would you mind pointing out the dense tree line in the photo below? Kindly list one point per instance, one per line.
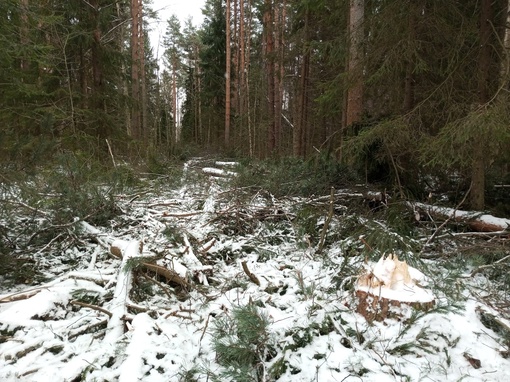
(406, 91)
(409, 92)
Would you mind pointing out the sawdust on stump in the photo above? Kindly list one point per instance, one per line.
(388, 288)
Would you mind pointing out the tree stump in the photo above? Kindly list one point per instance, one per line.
(388, 287)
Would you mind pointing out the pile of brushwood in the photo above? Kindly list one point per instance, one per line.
(215, 270)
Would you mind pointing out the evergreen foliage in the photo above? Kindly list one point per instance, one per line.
(242, 344)
(429, 112)
(293, 176)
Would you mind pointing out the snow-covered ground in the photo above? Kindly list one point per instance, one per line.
(107, 318)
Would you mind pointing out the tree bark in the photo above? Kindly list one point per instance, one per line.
(135, 70)
(269, 60)
(227, 75)
(477, 196)
(299, 135)
(354, 109)
(279, 23)
(143, 80)
(505, 62)
(409, 77)
(24, 32)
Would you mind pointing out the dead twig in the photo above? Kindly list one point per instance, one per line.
(452, 216)
(482, 267)
(87, 329)
(19, 296)
(94, 307)
(158, 284)
(328, 221)
(252, 277)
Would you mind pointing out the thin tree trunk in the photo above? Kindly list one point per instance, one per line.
(227, 75)
(279, 23)
(246, 81)
(199, 101)
(24, 32)
(269, 59)
(143, 99)
(135, 71)
(97, 74)
(299, 135)
(477, 196)
(125, 86)
(355, 64)
(174, 99)
(235, 60)
(409, 78)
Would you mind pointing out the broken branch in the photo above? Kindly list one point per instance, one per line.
(252, 277)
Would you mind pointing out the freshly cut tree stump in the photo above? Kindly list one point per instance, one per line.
(387, 287)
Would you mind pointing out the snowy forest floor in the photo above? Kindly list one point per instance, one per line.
(205, 281)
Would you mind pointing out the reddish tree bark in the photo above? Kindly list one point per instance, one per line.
(227, 75)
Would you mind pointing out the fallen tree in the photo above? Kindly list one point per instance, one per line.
(476, 221)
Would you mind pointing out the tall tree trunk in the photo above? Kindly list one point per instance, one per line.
(97, 75)
(24, 28)
(298, 138)
(235, 60)
(355, 64)
(198, 99)
(477, 196)
(174, 99)
(409, 76)
(269, 61)
(227, 75)
(143, 80)
(279, 23)
(505, 62)
(135, 70)
(125, 84)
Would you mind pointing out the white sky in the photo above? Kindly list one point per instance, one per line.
(166, 8)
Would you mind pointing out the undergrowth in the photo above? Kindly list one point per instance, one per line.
(242, 345)
(40, 210)
(295, 177)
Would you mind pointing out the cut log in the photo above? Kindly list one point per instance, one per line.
(387, 287)
(476, 221)
(117, 306)
(218, 172)
(169, 274)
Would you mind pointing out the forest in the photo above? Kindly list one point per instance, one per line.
(294, 190)
(413, 94)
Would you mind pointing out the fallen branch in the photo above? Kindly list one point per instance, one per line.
(87, 328)
(168, 274)
(482, 267)
(180, 215)
(115, 327)
(19, 296)
(446, 221)
(158, 284)
(207, 246)
(252, 277)
(94, 307)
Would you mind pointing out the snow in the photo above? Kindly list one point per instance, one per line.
(455, 213)
(395, 280)
(314, 330)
